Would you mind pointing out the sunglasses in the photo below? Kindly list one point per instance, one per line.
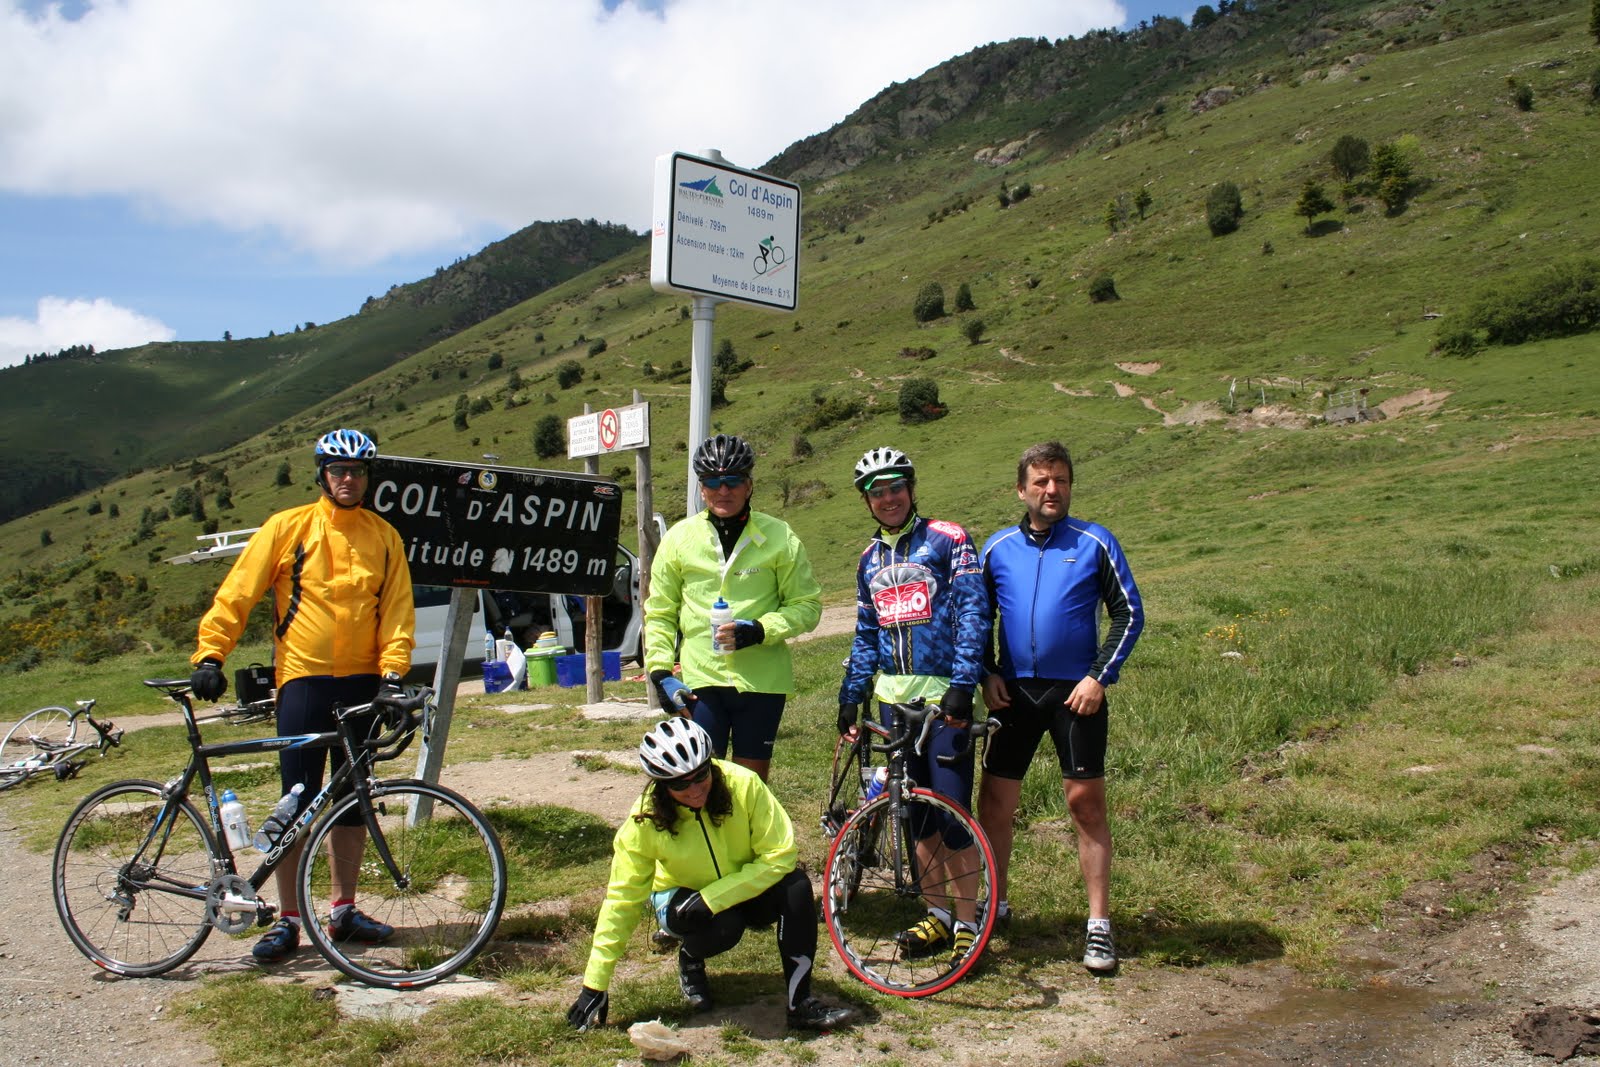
(723, 481)
(342, 470)
(689, 781)
(894, 488)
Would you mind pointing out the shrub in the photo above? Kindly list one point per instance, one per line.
(719, 389)
(1349, 157)
(930, 303)
(1557, 301)
(1460, 343)
(1522, 96)
(44, 538)
(481, 405)
(496, 361)
(832, 410)
(549, 438)
(917, 353)
(1224, 207)
(93, 508)
(972, 330)
(459, 421)
(1103, 289)
(1313, 202)
(1021, 192)
(569, 374)
(919, 400)
(597, 346)
(964, 297)
(1142, 200)
(802, 446)
(1391, 174)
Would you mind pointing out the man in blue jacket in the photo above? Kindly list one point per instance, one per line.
(1047, 578)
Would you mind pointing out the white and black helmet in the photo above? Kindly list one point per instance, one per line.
(883, 463)
(674, 748)
(344, 444)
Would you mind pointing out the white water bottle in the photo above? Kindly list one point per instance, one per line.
(721, 615)
(488, 644)
(876, 783)
(235, 823)
(503, 647)
(273, 826)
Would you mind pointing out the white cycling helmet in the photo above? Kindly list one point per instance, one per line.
(674, 748)
(344, 444)
(883, 463)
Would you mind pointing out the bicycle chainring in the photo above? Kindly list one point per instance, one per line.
(230, 920)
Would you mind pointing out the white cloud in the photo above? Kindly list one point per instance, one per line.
(366, 128)
(63, 323)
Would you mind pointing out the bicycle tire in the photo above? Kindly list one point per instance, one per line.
(872, 889)
(445, 914)
(777, 255)
(57, 727)
(135, 920)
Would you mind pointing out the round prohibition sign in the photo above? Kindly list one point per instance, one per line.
(610, 429)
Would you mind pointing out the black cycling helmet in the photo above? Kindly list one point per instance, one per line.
(724, 454)
(885, 463)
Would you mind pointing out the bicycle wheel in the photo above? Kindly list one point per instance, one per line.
(444, 899)
(11, 778)
(878, 882)
(130, 886)
(38, 731)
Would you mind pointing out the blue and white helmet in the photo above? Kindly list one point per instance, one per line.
(344, 444)
(674, 748)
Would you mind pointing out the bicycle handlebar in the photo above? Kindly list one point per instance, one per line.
(919, 711)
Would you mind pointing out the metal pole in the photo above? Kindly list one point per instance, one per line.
(705, 318)
(594, 653)
(446, 679)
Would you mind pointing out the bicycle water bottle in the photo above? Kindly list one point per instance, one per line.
(273, 826)
(721, 615)
(875, 787)
(488, 644)
(235, 823)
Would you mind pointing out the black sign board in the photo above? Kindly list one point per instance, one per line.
(529, 531)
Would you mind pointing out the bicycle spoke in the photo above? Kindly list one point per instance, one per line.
(882, 876)
(130, 893)
(441, 887)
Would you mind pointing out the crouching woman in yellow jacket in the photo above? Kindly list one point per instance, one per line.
(712, 851)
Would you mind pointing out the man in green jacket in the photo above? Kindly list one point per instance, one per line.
(712, 850)
(758, 566)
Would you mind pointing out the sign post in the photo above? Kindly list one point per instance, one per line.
(721, 233)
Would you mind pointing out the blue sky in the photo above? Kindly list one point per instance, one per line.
(174, 169)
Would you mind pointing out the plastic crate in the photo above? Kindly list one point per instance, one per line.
(570, 669)
(496, 676)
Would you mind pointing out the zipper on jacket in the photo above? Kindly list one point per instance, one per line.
(707, 835)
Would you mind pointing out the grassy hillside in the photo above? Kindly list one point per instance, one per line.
(166, 402)
(1137, 387)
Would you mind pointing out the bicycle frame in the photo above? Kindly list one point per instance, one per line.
(359, 757)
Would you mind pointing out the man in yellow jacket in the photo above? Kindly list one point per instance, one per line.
(343, 623)
(712, 850)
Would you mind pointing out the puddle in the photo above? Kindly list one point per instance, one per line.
(1360, 1025)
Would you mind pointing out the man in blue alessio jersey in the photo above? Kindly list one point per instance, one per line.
(922, 628)
(1047, 578)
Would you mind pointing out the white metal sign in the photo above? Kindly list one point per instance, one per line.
(611, 430)
(724, 232)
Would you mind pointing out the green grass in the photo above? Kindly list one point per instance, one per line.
(1413, 602)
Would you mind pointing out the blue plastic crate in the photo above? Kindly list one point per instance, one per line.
(570, 669)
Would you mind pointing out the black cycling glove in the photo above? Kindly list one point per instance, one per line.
(849, 715)
(689, 911)
(391, 691)
(589, 1010)
(207, 681)
(747, 633)
(956, 704)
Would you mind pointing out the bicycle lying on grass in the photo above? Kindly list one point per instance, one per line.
(140, 879)
(46, 742)
(896, 854)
